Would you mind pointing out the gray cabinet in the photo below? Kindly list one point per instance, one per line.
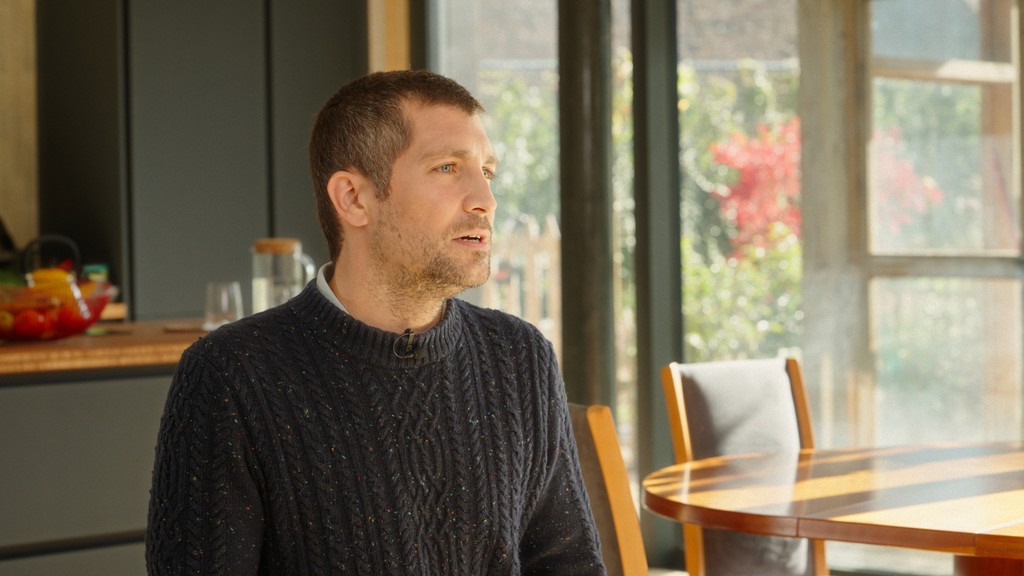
(77, 466)
(172, 134)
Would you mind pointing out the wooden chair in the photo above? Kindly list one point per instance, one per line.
(611, 500)
(735, 407)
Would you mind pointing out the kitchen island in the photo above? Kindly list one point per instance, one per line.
(78, 424)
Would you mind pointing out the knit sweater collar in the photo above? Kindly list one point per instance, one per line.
(355, 339)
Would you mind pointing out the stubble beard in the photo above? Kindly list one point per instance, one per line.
(443, 278)
(417, 270)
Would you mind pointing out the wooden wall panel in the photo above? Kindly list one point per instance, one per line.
(19, 208)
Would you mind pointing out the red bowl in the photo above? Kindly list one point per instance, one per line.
(51, 311)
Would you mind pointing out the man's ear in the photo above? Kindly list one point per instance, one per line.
(348, 191)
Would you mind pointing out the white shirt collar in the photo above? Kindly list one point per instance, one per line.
(325, 287)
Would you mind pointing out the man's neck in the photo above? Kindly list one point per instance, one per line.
(382, 306)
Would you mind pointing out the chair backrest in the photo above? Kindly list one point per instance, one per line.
(735, 407)
(607, 482)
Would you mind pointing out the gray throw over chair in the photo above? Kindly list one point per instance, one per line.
(735, 407)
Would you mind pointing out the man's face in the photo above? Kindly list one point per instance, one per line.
(433, 235)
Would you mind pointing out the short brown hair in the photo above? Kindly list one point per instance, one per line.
(362, 128)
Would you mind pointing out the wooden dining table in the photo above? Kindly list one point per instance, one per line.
(965, 499)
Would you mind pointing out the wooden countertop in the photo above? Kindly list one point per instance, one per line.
(109, 345)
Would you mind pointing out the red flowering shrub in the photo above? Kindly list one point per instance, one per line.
(899, 196)
(766, 188)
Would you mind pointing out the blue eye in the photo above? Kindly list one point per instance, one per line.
(446, 168)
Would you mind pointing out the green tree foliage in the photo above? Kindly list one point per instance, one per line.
(743, 306)
(522, 123)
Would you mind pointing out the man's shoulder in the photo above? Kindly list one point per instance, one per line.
(244, 353)
(262, 330)
(504, 322)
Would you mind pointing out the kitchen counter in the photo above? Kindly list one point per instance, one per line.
(110, 347)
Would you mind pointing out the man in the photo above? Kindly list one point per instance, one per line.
(375, 424)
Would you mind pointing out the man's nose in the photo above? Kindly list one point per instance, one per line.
(480, 198)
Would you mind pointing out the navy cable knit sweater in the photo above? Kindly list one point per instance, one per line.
(298, 442)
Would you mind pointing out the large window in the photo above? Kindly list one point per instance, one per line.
(913, 300)
(869, 225)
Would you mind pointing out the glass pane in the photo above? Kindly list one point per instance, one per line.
(947, 357)
(926, 29)
(740, 161)
(506, 53)
(940, 180)
(624, 236)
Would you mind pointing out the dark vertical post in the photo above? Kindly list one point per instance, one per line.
(588, 342)
(658, 256)
(422, 51)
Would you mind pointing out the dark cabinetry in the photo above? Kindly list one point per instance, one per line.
(172, 134)
(78, 461)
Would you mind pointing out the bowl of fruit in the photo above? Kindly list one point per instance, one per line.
(53, 304)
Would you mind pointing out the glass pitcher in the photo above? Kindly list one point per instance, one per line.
(280, 270)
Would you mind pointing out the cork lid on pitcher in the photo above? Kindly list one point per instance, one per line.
(276, 245)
